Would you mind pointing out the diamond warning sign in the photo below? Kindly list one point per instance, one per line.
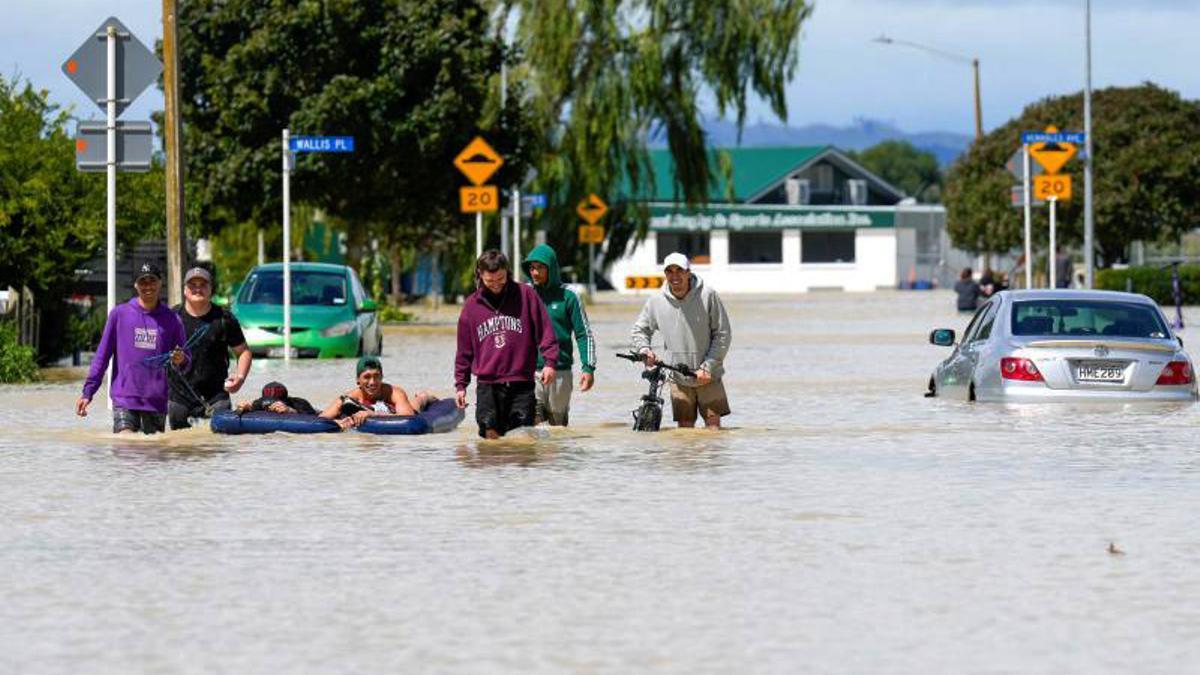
(1052, 155)
(478, 161)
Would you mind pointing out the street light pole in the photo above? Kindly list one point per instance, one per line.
(1089, 234)
(951, 56)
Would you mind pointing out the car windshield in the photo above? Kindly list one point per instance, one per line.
(308, 288)
(1087, 317)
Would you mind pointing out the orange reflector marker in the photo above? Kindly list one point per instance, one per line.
(80, 146)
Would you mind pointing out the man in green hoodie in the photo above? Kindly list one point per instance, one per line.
(568, 318)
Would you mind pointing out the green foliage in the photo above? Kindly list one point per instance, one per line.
(84, 328)
(1154, 282)
(409, 80)
(52, 217)
(604, 76)
(900, 163)
(393, 314)
(18, 363)
(1146, 142)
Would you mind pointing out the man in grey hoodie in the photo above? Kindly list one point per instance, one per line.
(696, 332)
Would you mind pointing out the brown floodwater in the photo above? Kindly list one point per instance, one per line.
(842, 523)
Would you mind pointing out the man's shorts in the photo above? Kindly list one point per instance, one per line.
(145, 421)
(180, 414)
(503, 406)
(686, 402)
(554, 401)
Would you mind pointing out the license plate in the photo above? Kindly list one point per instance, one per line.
(1100, 372)
(278, 353)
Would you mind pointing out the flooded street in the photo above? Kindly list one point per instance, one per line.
(843, 524)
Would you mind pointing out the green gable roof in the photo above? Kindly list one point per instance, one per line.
(754, 169)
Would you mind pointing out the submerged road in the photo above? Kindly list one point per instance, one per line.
(844, 524)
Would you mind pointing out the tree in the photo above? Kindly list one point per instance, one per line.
(52, 217)
(900, 163)
(606, 76)
(1146, 141)
(408, 79)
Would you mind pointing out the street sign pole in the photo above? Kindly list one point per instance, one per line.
(111, 179)
(1089, 254)
(287, 250)
(1051, 257)
(1028, 220)
(262, 248)
(591, 271)
(516, 235)
(478, 234)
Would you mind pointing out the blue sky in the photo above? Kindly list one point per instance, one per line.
(1028, 50)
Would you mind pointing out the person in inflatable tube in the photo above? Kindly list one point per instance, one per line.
(275, 399)
(142, 338)
(502, 329)
(372, 397)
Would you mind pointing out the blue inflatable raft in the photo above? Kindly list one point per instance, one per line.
(438, 417)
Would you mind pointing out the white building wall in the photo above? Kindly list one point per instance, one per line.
(876, 253)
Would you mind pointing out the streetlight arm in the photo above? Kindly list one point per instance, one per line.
(959, 58)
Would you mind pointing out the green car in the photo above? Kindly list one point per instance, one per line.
(331, 313)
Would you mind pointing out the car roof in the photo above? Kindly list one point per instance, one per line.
(302, 267)
(1075, 294)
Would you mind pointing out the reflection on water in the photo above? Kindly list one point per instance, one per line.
(839, 509)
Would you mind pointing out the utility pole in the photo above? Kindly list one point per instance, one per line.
(173, 146)
(1089, 224)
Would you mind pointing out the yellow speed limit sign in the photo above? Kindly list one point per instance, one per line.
(478, 199)
(1057, 185)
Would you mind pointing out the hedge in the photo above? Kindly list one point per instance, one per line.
(1154, 282)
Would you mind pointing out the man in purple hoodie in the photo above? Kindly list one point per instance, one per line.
(502, 327)
(140, 337)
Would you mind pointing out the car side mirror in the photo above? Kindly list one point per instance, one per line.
(368, 305)
(942, 337)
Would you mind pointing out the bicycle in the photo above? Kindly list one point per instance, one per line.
(648, 416)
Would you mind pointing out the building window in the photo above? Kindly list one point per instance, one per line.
(692, 244)
(755, 247)
(836, 246)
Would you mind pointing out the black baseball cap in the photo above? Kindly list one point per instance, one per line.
(148, 268)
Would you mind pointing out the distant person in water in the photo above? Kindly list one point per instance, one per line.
(373, 397)
(968, 290)
(142, 338)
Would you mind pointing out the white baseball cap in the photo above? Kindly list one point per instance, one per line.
(678, 259)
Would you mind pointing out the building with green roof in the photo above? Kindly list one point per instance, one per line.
(789, 219)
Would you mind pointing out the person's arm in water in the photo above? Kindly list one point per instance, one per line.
(586, 341)
(104, 352)
(643, 331)
(400, 402)
(543, 331)
(719, 340)
(244, 358)
(463, 357)
(333, 410)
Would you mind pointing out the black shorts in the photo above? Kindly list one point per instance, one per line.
(504, 406)
(179, 413)
(145, 421)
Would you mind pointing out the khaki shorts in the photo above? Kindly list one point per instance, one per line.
(706, 399)
(554, 401)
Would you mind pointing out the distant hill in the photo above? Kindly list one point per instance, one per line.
(862, 134)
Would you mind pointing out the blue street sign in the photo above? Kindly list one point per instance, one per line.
(321, 144)
(536, 200)
(1076, 137)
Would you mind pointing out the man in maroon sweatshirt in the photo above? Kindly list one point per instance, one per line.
(502, 327)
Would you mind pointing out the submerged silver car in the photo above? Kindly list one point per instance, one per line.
(1043, 345)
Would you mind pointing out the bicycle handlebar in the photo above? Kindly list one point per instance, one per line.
(678, 367)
